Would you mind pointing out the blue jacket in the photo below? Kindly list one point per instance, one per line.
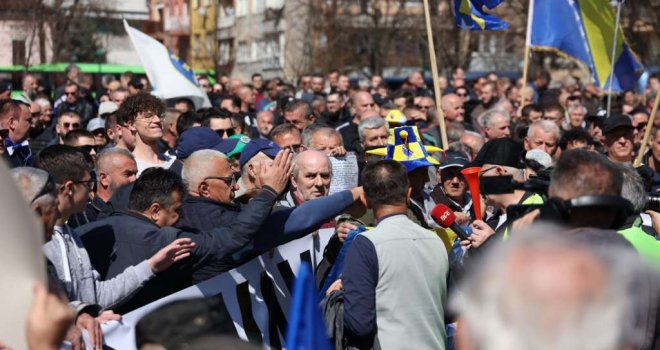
(281, 226)
(123, 239)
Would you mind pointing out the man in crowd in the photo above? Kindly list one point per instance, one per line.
(310, 179)
(119, 133)
(219, 120)
(333, 116)
(299, 113)
(287, 136)
(30, 89)
(363, 106)
(83, 140)
(74, 103)
(543, 135)
(265, 124)
(390, 267)
(16, 118)
(326, 140)
(452, 189)
(66, 122)
(119, 96)
(452, 107)
(473, 141)
(554, 113)
(41, 132)
(142, 114)
(487, 100)
(170, 136)
(619, 138)
(495, 124)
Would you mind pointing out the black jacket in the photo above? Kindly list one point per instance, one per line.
(125, 239)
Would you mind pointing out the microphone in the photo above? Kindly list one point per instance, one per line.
(445, 217)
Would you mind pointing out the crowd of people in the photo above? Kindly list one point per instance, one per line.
(556, 247)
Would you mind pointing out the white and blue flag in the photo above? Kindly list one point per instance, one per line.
(170, 77)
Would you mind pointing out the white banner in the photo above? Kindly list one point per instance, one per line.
(265, 279)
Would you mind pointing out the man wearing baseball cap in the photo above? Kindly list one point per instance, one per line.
(255, 153)
(452, 189)
(619, 136)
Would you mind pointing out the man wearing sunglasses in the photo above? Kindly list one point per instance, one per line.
(67, 122)
(451, 189)
(218, 120)
(84, 141)
(142, 113)
(75, 103)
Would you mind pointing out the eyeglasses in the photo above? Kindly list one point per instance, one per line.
(87, 183)
(89, 148)
(71, 125)
(230, 181)
(228, 132)
(49, 187)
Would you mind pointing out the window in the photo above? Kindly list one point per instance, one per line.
(241, 8)
(224, 52)
(243, 52)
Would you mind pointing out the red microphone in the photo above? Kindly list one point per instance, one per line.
(445, 217)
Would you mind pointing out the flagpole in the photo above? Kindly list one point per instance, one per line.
(647, 133)
(614, 44)
(436, 84)
(526, 52)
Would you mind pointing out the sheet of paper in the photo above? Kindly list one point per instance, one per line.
(344, 172)
(21, 262)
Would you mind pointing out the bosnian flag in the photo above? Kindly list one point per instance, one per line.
(169, 76)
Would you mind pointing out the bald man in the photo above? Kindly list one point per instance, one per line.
(452, 107)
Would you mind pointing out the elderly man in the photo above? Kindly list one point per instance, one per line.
(452, 107)
(310, 179)
(299, 113)
(473, 141)
(363, 105)
(373, 133)
(619, 138)
(265, 124)
(16, 117)
(326, 140)
(495, 124)
(287, 136)
(30, 89)
(74, 103)
(451, 189)
(576, 114)
(543, 135)
(547, 281)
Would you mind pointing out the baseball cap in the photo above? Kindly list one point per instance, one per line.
(95, 124)
(542, 158)
(233, 145)
(616, 121)
(5, 86)
(195, 139)
(453, 159)
(504, 152)
(255, 146)
(107, 107)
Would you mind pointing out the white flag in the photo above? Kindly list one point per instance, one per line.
(169, 76)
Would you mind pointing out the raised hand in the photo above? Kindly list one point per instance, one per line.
(277, 174)
(178, 250)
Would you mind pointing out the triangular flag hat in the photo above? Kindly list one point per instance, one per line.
(404, 145)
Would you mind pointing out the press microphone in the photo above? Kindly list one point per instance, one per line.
(446, 218)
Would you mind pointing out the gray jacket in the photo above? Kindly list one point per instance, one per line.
(79, 278)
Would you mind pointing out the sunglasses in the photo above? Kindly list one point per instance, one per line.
(71, 93)
(71, 125)
(423, 107)
(450, 173)
(228, 180)
(88, 148)
(49, 187)
(640, 127)
(228, 132)
(461, 95)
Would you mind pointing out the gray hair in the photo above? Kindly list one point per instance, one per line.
(197, 166)
(43, 102)
(506, 313)
(310, 131)
(30, 181)
(545, 125)
(571, 108)
(487, 117)
(297, 157)
(370, 123)
(102, 159)
(633, 187)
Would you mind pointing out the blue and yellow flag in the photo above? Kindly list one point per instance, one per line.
(584, 30)
(470, 15)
